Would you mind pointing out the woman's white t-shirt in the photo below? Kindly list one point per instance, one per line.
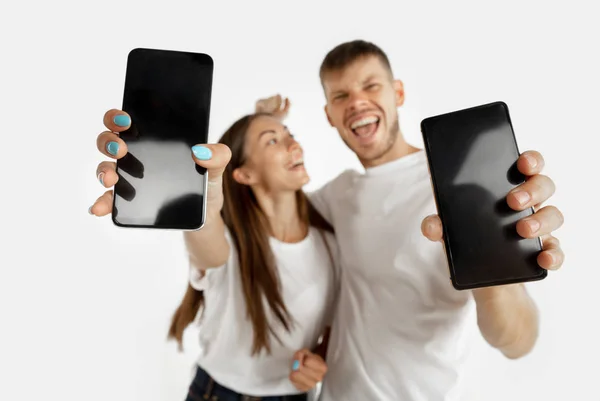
(309, 286)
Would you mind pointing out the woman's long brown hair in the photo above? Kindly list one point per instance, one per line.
(250, 232)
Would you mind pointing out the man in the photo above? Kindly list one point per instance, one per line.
(400, 332)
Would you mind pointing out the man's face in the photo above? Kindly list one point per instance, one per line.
(362, 102)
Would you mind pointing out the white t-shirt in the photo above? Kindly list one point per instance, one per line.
(401, 330)
(308, 285)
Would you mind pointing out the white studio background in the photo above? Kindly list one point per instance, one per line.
(85, 306)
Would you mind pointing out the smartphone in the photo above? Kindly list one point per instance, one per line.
(168, 96)
(472, 156)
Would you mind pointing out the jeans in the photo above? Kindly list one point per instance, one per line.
(204, 388)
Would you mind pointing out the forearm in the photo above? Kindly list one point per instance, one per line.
(507, 318)
(208, 247)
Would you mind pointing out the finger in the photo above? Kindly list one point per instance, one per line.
(316, 364)
(530, 163)
(534, 191)
(264, 105)
(271, 105)
(103, 205)
(543, 222)
(284, 106)
(298, 360)
(552, 257)
(301, 381)
(213, 157)
(111, 145)
(260, 106)
(106, 173)
(431, 227)
(313, 376)
(282, 110)
(276, 102)
(116, 120)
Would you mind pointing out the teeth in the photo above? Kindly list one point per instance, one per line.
(364, 121)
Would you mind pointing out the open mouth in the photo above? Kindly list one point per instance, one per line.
(364, 128)
(297, 165)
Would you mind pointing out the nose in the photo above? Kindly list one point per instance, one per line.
(357, 100)
(292, 144)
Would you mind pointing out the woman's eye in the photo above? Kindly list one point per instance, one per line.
(272, 141)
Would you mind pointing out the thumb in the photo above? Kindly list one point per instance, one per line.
(431, 227)
(299, 357)
(213, 157)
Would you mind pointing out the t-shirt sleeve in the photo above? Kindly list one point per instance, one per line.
(202, 280)
(325, 198)
(320, 199)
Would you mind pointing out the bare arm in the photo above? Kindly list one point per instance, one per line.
(208, 247)
(507, 318)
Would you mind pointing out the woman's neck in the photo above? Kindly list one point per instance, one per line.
(281, 211)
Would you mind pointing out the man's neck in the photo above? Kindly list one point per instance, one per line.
(281, 211)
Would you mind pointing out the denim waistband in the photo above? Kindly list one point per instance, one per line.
(205, 388)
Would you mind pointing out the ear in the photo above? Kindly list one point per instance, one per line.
(327, 114)
(242, 176)
(399, 89)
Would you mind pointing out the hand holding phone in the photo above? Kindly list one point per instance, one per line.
(211, 157)
(168, 95)
(485, 193)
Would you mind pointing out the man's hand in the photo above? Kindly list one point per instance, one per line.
(506, 315)
(276, 105)
(308, 369)
(536, 190)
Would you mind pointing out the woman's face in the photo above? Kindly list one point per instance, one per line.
(274, 160)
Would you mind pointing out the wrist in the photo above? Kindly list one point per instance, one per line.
(212, 213)
(495, 292)
(214, 204)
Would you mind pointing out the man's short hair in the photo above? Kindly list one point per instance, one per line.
(347, 53)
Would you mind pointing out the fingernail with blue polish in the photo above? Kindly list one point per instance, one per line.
(201, 152)
(90, 210)
(296, 365)
(113, 148)
(122, 120)
(101, 177)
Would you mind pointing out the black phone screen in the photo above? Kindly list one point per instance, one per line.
(168, 95)
(472, 157)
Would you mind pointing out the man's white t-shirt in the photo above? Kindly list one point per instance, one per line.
(308, 284)
(401, 330)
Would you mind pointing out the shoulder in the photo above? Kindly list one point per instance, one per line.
(344, 180)
(339, 184)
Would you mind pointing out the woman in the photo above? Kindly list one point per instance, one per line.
(262, 269)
